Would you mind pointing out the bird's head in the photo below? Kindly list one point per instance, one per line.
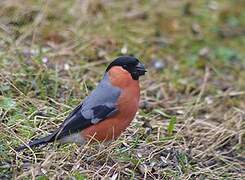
(130, 64)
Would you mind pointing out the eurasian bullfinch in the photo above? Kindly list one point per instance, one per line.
(107, 111)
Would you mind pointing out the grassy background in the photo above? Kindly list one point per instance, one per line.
(191, 121)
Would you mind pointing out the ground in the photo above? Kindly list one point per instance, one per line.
(190, 124)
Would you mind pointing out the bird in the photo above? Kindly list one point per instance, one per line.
(106, 112)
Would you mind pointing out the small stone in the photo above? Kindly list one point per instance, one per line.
(124, 50)
(139, 155)
(181, 112)
(209, 100)
(196, 28)
(101, 53)
(66, 67)
(205, 52)
(44, 60)
(213, 5)
(158, 64)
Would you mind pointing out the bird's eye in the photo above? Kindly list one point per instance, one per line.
(124, 66)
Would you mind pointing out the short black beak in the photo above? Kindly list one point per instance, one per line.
(140, 69)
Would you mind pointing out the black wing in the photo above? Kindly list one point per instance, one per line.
(102, 103)
(76, 122)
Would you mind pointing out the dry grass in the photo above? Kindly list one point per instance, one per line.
(191, 121)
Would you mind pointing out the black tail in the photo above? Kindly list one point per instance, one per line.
(38, 142)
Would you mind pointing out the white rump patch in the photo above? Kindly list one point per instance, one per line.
(73, 138)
